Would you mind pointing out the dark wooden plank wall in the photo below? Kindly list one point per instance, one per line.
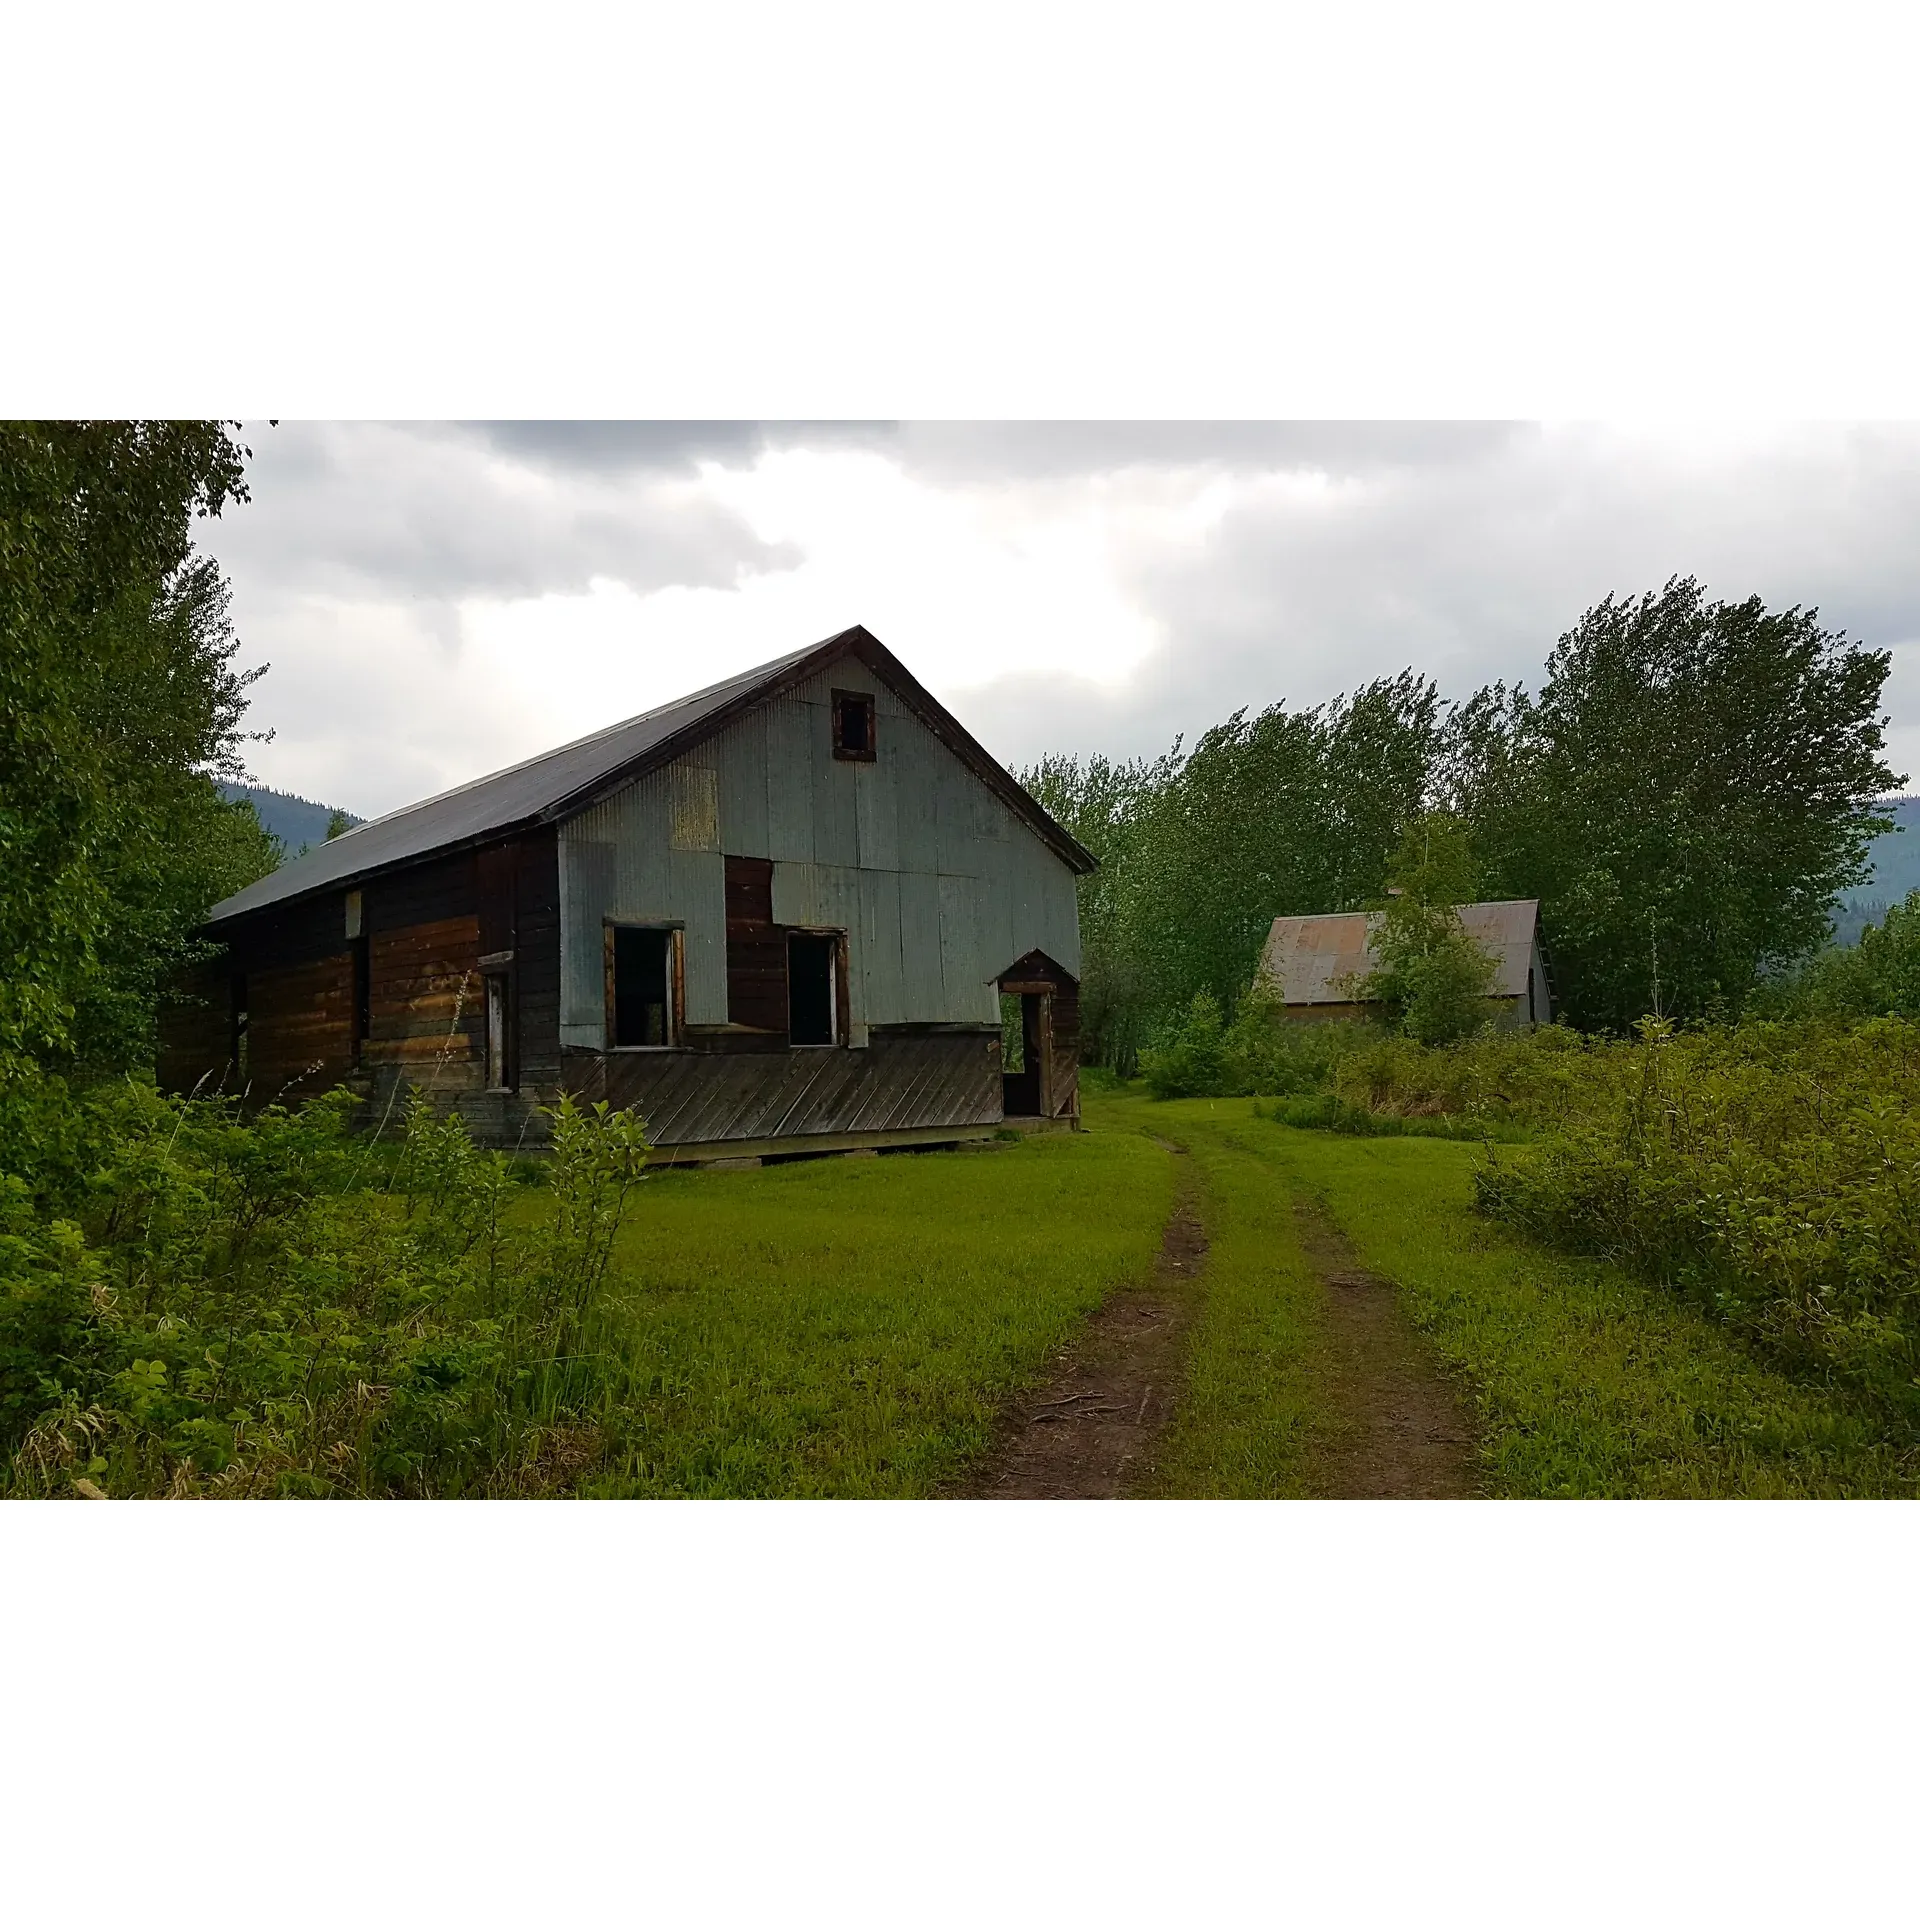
(299, 1029)
(196, 1032)
(908, 1080)
(756, 948)
(536, 945)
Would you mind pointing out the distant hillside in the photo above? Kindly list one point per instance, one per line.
(1896, 872)
(297, 823)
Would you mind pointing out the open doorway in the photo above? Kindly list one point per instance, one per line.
(812, 989)
(1025, 1044)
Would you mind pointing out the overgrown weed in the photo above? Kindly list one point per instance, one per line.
(263, 1304)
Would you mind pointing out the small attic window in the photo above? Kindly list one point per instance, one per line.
(853, 726)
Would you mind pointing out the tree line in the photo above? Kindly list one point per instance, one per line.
(1687, 792)
(120, 710)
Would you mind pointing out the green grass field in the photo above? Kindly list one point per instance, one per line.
(852, 1327)
(1584, 1381)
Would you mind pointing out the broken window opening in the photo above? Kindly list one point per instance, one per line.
(643, 987)
(1023, 1080)
(496, 1032)
(853, 726)
(1013, 1052)
(812, 959)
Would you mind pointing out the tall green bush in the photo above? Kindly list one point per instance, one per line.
(1770, 1172)
(271, 1305)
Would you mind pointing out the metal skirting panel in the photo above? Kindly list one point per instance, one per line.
(690, 1153)
(899, 1082)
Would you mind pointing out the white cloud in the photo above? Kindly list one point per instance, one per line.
(438, 602)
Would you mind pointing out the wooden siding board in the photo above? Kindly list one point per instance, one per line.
(299, 1029)
(196, 1031)
(922, 1080)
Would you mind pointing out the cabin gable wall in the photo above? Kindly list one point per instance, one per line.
(938, 884)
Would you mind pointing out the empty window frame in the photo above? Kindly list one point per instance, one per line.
(813, 989)
(499, 1078)
(643, 972)
(853, 726)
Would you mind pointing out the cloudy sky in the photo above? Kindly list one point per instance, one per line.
(438, 601)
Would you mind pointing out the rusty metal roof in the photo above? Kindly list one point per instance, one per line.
(555, 784)
(1314, 957)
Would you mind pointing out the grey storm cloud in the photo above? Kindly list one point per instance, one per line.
(1342, 550)
(1465, 556)
(444, 513)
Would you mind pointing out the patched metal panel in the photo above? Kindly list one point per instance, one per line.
(693, 805)
(836, 837)
(696, 894)
(922, 985)
(969, 993)
(916, 755)
(741, 755)
(953, 789)
(876, 793)
(652, 878)
(789, 777)
(586, 888)
(876, 949)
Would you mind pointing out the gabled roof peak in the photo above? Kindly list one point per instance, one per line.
(552, 785)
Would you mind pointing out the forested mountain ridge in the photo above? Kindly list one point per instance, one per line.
(1896, 872)
(295, 822)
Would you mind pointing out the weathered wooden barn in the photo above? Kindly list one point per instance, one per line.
(1316, 963)
(792, 913)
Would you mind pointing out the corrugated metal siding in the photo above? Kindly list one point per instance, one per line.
(939, 884)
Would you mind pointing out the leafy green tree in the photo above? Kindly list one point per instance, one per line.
(1880, 975)
(1686, 795)
(1281, 813)
(339, 821)
(1105, 805)
(1430, 976)
(118, 699)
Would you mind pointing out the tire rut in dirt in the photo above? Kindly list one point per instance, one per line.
(1091, 1432)
(1399, 1431)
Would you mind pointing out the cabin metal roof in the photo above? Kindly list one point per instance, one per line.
(560, 782)
(1311, 956)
